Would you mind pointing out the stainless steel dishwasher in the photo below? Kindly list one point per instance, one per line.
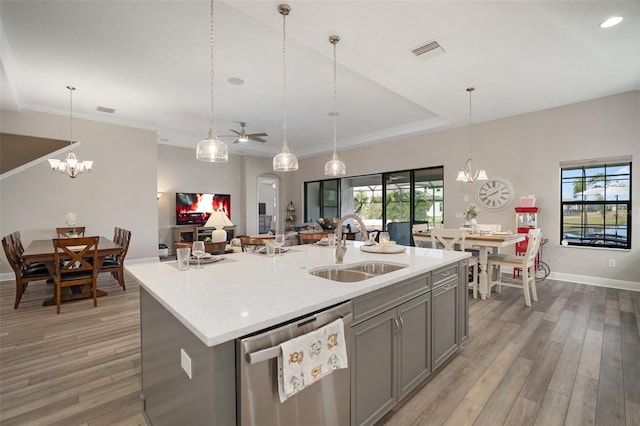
(326, 402)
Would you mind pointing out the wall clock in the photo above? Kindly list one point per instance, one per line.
(495, 194)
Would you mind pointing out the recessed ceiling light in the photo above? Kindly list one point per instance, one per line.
(614, 20)
(235, 80)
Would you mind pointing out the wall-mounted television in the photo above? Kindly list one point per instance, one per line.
(195, 208)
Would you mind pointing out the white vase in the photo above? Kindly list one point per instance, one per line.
(474, 226)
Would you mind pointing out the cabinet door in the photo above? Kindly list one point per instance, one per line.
(373, 368)
(444, 322)
(414, 361)
(463, 303)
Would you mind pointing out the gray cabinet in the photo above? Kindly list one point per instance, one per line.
(401, 334)
(463, 303)
(414, 343)
(391, 355)
(444, 325)
(373, 368)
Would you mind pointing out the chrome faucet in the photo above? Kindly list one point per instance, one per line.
(341, 243)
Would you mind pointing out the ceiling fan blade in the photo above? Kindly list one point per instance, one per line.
(253, 138)
(250, 135)
(236, 132)
(236, 141)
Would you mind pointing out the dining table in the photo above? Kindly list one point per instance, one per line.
(42, 251)
(482, 242)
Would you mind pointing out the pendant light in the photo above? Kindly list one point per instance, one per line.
(285, 161)
(334, 167)
(71, 165)
(211, 149)
(467, 174)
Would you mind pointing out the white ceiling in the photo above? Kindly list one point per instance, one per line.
(149, 60)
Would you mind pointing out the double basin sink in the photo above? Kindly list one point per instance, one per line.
(356, 272)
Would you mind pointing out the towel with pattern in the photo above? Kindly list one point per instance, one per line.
(307, 358)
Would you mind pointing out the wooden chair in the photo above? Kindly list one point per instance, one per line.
(250, 243)
(24, 274)
(453, 239)
(216, 248)
(115, 264)
(312, 237)
(420, 227)
(76, 262)
(526, 263)
(64, 232)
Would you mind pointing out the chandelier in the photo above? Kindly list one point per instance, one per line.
(334, 167)
(285, 161)
(212, 149)
(468, 174)
(71, 165)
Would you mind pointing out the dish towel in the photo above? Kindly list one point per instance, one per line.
(305, 359)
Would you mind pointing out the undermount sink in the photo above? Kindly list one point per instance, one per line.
(356, 272)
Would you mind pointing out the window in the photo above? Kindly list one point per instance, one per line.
(321, 199)
(410, 196)
(596, 203)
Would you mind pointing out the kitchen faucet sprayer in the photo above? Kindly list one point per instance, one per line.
(341, 243)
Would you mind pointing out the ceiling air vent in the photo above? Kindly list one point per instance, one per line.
(105, 109)
(428, 47)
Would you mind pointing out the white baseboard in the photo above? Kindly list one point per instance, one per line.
(9, 276)
(597, 281)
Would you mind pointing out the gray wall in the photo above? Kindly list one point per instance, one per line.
(130, 168)
(527, 150)
(120, 191)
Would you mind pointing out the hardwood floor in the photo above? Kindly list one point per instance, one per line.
(81, 367)
(573, 358)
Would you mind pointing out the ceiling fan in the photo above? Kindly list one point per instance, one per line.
(243, 136)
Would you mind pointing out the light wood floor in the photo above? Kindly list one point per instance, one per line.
(574, 358)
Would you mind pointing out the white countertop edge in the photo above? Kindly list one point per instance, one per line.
(347, 292)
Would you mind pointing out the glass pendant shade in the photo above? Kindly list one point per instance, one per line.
(335, 167)
(212, 150)
(285, 161)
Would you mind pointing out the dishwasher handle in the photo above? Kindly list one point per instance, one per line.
(275, 351)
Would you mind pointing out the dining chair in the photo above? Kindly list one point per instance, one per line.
(420, 227)
(64, 232)
(24, 274)
(76, 262)
(216, 248)
(250, 244)
(454, 239)
(115, 264)
(526, 263)
(400, 232)
(489, 227)
(311, 238)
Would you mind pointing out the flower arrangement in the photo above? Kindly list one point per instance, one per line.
(471, 212)
(70, 219)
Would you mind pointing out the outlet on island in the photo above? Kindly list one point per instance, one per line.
(185, 362)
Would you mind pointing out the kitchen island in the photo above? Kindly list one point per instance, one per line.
(190, 320)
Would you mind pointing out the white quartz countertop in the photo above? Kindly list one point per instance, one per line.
(248, 292)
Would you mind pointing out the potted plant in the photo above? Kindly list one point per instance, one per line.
(471, 213)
